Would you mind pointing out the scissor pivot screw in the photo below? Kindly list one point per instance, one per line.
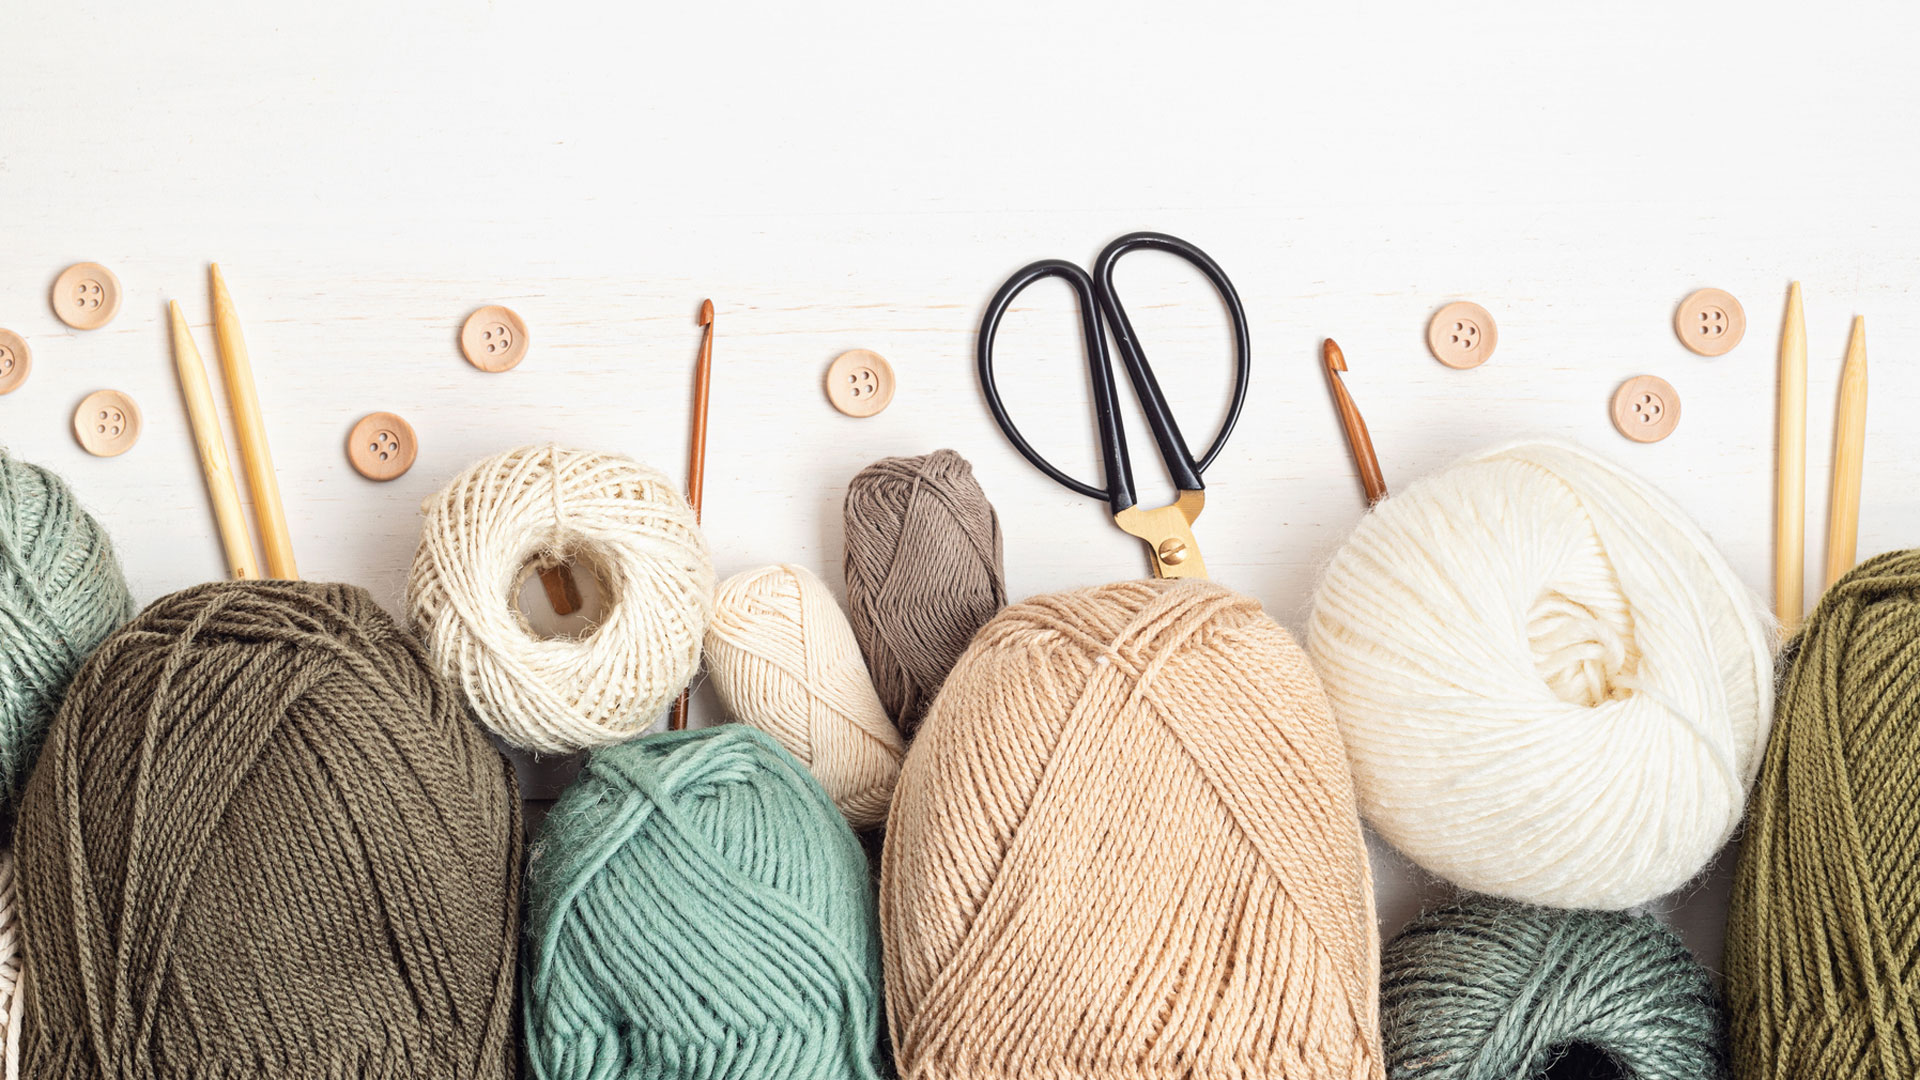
(1173, 551)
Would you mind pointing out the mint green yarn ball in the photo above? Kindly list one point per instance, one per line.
(700, 909)
(61, 594)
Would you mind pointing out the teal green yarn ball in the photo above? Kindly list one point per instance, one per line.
(700, 909)
(1487, 989)
(61, 594)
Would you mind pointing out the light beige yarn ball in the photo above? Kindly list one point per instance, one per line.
(483, 538)
(784, 659)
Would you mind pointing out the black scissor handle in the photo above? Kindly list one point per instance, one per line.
(1113, 440)
(1166, 432)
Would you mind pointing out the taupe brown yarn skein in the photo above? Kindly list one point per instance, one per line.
(1125, 845)
(264, 841)
(923, 573)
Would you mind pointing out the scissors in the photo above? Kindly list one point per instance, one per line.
(1167, 530)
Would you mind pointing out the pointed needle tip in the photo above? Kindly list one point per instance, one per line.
(706, 313)
(1335, 359)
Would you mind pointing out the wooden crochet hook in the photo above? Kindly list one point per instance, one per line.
(697, 457)
(244, 400)
(1359, 440)
(211, 445)
(1790, 469)
(1849, 452)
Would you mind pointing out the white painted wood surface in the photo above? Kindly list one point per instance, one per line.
(864, 175)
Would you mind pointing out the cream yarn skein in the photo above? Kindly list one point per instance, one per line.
(1553, 687)
(482, 539)
(784, 659)
(12, 985)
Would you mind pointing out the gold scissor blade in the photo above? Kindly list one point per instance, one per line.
(1168, 532)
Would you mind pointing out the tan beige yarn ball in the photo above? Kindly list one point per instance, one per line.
(784, 659)
(1125, 844)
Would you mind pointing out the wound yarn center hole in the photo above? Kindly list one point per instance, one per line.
(1583, 649)
(533, 604)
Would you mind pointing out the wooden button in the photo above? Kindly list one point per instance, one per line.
(16, 360)
(494, 338)
(107, 423)
(860, 383)
(1462, 335)
(1710, 322)
(1646, 408)
(382, 446)
(86, 296)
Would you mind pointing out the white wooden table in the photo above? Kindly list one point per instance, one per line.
(865, 175)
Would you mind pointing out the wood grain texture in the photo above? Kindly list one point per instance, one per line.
(860, 176)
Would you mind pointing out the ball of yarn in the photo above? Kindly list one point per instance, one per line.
(1553, 687)
(265, 840)
(1487, 989)
(1124, 845)
(700, 910)
(784, 660)
(923, 573)
(61, 594)
(488, 532)
(1822, 976)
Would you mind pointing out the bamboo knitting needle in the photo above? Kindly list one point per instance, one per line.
(212, 446)
(1358, 439)
(252, 432)
(1849, 447)
(1790, 469)
(697, 453)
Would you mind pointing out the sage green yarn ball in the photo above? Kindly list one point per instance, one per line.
(61, 594)
(700, 909)
(1487, 989)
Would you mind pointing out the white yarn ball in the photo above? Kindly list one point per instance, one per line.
(784, 659)
(483, 538)
(1552, 687)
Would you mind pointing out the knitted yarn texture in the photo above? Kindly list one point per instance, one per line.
(1487, 989)
(61, 594)
(923, 573)
(1553, 687)
(484, 537)
(1823, 972)
(700, 911)
(1124, 845)
(265, 841)
(12, 999)
(784, 660)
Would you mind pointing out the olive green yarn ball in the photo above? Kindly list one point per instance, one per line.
(1823, 964)
(700, 909)
(1487, 989)
(61, 594)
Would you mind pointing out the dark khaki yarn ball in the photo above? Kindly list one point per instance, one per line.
(923, 573)
(264, 840)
